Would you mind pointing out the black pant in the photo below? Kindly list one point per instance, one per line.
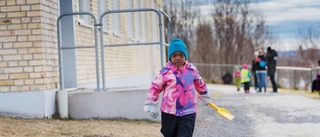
(176, 126)
(246, 86)
(255, 80)
(314, 85)
(274, 84)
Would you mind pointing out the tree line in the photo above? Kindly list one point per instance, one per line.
(232, 31)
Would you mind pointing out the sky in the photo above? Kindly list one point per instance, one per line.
(286, 17)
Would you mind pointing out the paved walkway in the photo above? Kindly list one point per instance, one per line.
(287, 113)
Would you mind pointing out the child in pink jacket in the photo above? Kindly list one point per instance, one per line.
(180, 83)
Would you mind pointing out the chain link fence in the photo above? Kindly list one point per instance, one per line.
(286, 77)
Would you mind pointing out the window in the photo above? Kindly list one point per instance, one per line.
(102, 8)
(116, 17)
(84, 6)
(155, 23)
(144, 23)
(137, 21)
(130, 20)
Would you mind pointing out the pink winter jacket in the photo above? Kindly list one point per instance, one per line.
(179, 86)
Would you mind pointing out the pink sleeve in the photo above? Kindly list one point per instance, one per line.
(156, 88)
(200, 85)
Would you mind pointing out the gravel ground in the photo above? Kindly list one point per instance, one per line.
(287, 113)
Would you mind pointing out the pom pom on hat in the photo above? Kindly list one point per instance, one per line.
(256, 53)
(177, 45)
(245, 66)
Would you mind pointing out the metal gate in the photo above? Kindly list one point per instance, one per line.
(102, 45)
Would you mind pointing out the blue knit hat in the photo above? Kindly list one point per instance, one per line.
(177, 45)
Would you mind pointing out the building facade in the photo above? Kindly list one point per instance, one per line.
(29, 59)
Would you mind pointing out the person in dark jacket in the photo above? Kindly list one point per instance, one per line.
(315, 86)
(253, 70)
(261, 71)
(272, 67)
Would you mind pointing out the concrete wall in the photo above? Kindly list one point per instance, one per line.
(109, 104)
(33, 104)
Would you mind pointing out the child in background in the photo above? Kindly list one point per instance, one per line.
(237, 77)
(245, 78)
(180, 83)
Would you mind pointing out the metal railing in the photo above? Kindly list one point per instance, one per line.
(286, 77)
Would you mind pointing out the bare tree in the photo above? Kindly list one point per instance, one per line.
(205, 45)
(239, 29)
(309, 45)
(184, 15)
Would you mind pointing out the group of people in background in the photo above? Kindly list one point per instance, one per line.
(262, 66)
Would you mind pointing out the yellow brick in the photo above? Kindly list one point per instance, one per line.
(23, 63)
(34, 26)
(13, 70)
(5, 33)
(35, 7)
(20, 88)
(35, 75)
(21, 2)
(16, 14)
(18, 82)
(12, 64)
(35, 50)
(36, 31)
(22, 38)
(8, 39)
(29, 81)
(16, 20)
(39, 81)
(25, 8)
(3, 27)
(38, 56)
(5, 21)
(34, 38)
(10, 8)
(38, 69)
(22, 44)
(26, 20)
(2, 15)
(8, 51)
(28, 69)
(4, 88)
(23, 51)
(36, 19)
(4, 76)
(33, 13)
(33, 1)
(37, 43)
(37, 87)
(11, 2)
(7, 45)
(19, 76)
(27, 57)
(17, 26)
(21, 32)
(36, 63)
(12, 57)
(6, 82)
(2, 3)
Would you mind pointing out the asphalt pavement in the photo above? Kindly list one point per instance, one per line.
(259, 114)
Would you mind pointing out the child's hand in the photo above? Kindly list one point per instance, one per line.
(205, 99)
(150, 107)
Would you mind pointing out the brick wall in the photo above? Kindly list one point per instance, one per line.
(27, 43)
(119, 61)
(28, 46)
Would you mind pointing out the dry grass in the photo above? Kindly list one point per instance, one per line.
(92, 128)
(78, 128)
